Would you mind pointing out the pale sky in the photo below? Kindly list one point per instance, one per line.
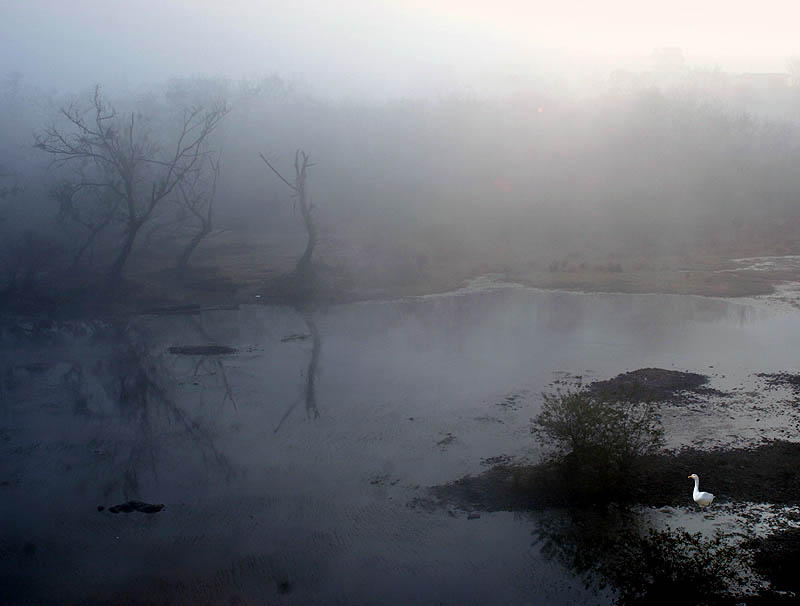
(391, 46)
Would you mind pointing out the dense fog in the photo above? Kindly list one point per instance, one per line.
(428, 151)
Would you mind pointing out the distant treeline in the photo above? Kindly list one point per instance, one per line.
(403, 184)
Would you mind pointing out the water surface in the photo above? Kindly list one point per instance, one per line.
(290, 468)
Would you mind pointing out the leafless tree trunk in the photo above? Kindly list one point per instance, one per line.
(301, 165)
(72, 206)
(310, 392)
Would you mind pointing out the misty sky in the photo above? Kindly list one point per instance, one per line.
(390, 47)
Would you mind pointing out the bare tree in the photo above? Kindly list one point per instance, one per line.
(301, 165)
(196, 195)
(119, 157)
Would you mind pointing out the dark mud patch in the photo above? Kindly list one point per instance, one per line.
(787, 380)
(767, 474)
(201, 350)
(131, 506)
(654, 385)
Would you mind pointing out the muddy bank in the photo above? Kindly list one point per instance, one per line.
(790, 381)
(253, 273)
(767, 474)
(654, 385)
(713, 280)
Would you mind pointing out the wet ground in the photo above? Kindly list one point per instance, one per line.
(294, 464)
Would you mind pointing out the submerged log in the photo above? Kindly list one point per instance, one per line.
(201, 350)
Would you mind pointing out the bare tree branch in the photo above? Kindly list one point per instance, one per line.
(301, 164)
(274, 170)
(125, 161)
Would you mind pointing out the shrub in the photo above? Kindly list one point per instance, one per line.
(576, 422)
(597, 443)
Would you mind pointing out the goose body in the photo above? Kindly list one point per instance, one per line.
(703, 499)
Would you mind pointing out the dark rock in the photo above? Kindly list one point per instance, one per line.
(132, 506)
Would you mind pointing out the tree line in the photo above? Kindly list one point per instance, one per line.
(410, 185)
(116, 175)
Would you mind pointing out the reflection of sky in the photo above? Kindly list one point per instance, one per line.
(483, 343)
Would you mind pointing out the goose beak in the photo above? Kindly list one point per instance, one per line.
(690, 477)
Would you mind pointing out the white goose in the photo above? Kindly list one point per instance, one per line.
(701, 498)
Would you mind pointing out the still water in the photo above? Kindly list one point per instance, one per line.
(290, 469)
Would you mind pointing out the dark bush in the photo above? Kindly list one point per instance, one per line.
(598, 444)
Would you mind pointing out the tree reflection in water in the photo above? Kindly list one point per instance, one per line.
(612, 547)
(311, 397)
(309, 393)
(212, 364)
(139, 387)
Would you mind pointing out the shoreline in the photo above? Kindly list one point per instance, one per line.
(209, 287)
